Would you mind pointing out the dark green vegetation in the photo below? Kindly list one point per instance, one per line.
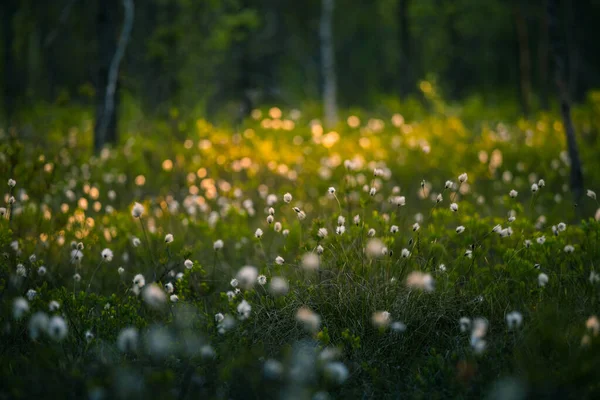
(205, 184)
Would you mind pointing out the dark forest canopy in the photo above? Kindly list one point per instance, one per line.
(217, 55)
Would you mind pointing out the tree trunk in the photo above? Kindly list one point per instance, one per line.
(524, 59)
(404, 40)
(10, 81)
(328, 63)
(543, 59)
(558, 53)
(106, 112)
(106, 30)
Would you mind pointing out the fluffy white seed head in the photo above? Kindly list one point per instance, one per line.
(278, 286)
(57, 328)
(127, 341)
(310, 261)
(420, 280)
(154, 296)
(107, 255)
(138, 210)
(542, 279)
(247, 276)
(309, 319)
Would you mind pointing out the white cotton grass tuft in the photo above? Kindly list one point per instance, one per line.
(405, 253)
(258, 233)
(479, 331)
(21, 270)
(421, 281)
(513, 193)
(53, 306)
(310, 320)
(57, 328)
(462, 178)
(76, 256)
(31, 294)
(169, 238)
(138, 210)
(336, 372)
(244, 309)
(127, 341)
(460, 229)
(218, 244)
(279, 260)
(399, 201)
(569, 249)
(465, 324)
(287, 198)
(398, 327)
(374, 248)
(188, 264)
(322, 233)
(107, 255)
(454, 207)
(247, 276)
(310, 262)
(278, 286)
(514, 319)
(136, 241)
(262, 280)
(139, 281)
(38, 324)
(154, 296)
(591, 194)
(272, 369)
(542, 279)
(381, 319)
(534, 188)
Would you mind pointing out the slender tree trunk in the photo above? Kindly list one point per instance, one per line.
(524, 59)
(558, 52)
(106, 30)
(405, 50)
(543, 59)
(328, 63)
(106, 111)
(10, 81)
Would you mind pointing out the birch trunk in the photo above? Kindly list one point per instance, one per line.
(328, 63)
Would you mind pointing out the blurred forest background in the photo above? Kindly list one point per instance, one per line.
(221, 58)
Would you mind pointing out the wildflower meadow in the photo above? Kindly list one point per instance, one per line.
(396, 256)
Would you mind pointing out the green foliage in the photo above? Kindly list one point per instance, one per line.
(385, 308)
